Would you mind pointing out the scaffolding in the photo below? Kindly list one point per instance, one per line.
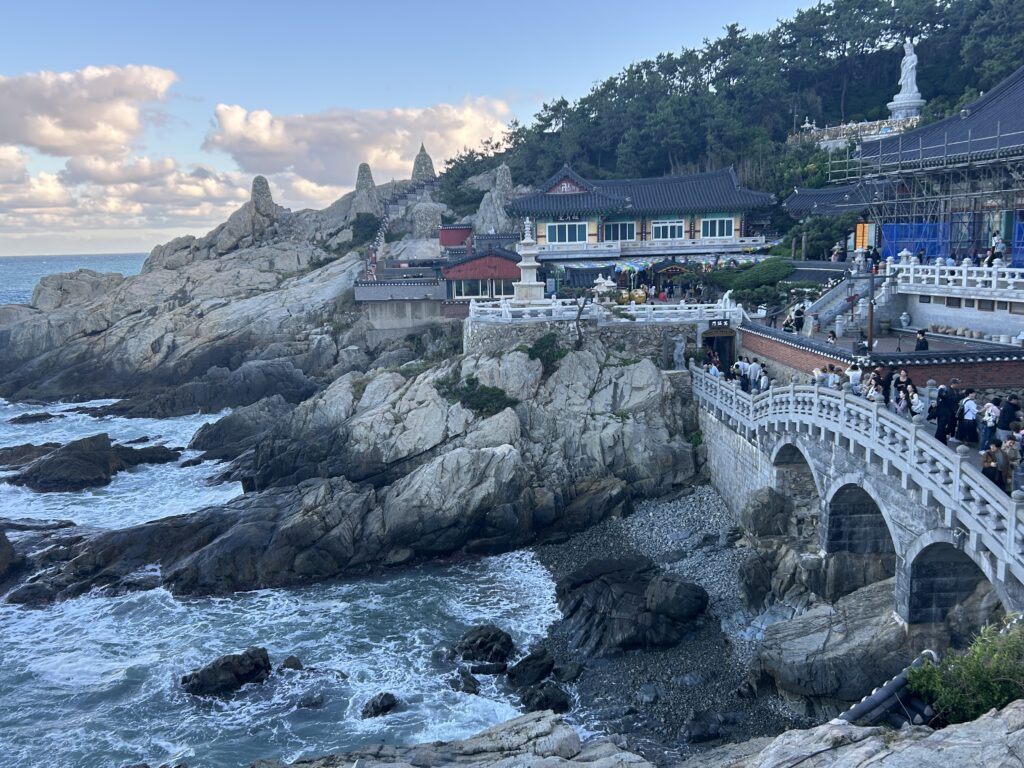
(947, 199)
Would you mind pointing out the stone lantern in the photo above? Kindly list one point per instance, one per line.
(905, 256)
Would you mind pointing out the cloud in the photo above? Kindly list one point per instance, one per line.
(91, 111)
(327, 147)
(99, 170)
(13, 165)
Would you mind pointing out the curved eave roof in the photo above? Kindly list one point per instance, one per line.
(718, 191)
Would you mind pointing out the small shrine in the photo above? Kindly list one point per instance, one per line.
(528, 289)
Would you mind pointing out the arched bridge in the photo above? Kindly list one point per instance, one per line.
(879, 494)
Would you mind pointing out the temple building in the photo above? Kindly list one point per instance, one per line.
(636, 223)
(944, 190)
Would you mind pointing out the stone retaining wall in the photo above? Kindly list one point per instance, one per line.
(653, 341)
(736, 468)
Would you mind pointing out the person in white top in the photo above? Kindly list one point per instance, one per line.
(854, 373)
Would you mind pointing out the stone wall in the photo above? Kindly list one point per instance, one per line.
(402, 315)
(735, 467)
(653, 341)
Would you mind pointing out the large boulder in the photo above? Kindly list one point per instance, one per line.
(87, 463)
(615, 605)
(486, 643)
(532, 668)
(833, 655)
(226, 674)
(546, 697)
(379, 705)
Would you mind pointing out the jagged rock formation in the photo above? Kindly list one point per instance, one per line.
(536, 740)
(365, 199)
(611, 606)
(246, 290)
(491, 215)
(994, 739)
(422, 167)
(383, 470)
(228, 673)
(87, 463)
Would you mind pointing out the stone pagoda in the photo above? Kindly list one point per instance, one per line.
(527, 289)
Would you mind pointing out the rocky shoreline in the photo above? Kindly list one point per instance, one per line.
(666, 703)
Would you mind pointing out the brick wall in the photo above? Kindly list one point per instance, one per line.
(786, 361)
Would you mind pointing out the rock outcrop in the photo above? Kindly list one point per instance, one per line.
(365, 199)
(486, 643)
(259, 282)
(87, 463)
(378, 469)
(611, 606)
(537, 740)
(832, 655)
(228, 673)
(994, 739)
(491, 215)
(423, 167)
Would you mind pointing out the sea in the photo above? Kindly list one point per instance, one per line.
(95, 681)
(19, 274)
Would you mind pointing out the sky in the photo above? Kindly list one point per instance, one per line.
(126, 124)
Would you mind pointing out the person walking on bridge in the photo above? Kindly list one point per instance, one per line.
(1007, 415)
(945, 409)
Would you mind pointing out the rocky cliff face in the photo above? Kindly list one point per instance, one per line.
(381, 469)
(218, 300)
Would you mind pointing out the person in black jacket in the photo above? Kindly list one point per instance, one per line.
(1007, 415)
(886, 384)
(945, 413)
(922, 343)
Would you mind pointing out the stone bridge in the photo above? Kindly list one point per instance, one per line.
(878, 493)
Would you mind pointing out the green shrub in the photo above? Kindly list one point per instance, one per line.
(364, 227)
(479, 398)
(768, 272)
(964, 685)
(548, 351)
(695, 438)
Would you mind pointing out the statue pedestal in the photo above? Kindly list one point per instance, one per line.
(902, 108)
(527, 292)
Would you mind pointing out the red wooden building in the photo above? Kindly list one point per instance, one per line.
(485, 274)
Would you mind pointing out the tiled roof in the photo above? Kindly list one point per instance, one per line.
(829, 201)
(991, 127)
(491, 250)
(697, 193)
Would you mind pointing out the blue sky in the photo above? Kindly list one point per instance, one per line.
(188, 100)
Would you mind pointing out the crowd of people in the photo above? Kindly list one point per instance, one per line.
(991, 425)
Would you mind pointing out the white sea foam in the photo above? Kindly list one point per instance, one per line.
(95, 680)
(147, 492)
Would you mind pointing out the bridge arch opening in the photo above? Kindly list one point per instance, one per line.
(794, 479)
(857, 540)
(941, 578)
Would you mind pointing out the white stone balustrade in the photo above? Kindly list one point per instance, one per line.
(996, 282)
(946, 479)
(568, 309)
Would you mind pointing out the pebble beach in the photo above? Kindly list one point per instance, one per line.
(645, 699)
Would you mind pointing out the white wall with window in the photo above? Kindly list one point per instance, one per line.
(620, 230)
(716, 226)
(470, 289)
(674, 229)
(567, 232)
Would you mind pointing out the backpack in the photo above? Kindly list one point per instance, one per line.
(960, 410)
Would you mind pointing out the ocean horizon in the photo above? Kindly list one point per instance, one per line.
(20, 274)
